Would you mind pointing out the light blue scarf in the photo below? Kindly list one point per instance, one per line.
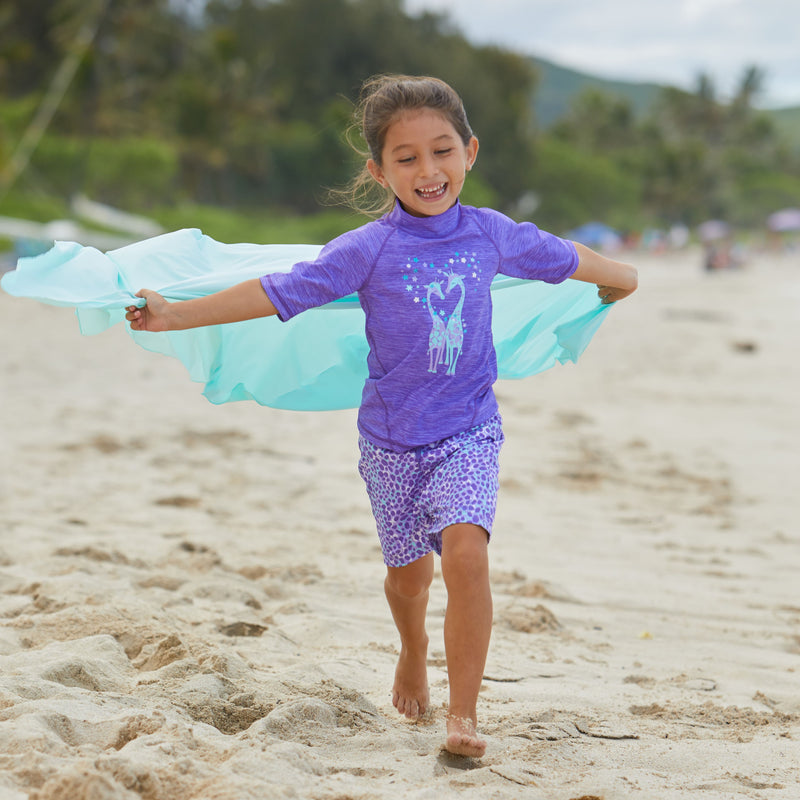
(315, 361)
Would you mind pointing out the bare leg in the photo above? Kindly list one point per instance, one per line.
(467, 630)
(407, 592)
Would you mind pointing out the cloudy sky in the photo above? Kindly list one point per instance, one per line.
(666, 41)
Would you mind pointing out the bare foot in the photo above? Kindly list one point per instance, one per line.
(410, 694)
(462, 738)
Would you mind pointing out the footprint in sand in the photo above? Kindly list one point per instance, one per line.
(161, 653)
(96, 664)
(221, 703)
(529, 620)
(305, 719)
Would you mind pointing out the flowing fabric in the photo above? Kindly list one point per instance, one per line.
(315, 361)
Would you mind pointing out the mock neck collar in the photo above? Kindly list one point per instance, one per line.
(429, 227)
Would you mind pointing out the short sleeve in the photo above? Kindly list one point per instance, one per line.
(341, 268)
(528, 252)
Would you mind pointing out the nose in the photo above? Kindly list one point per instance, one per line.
(427, 167)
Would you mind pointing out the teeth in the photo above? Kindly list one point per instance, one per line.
(434, 190)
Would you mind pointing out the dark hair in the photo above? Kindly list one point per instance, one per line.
(382, 98)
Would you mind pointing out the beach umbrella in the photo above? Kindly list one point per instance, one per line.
(713, 230)
(595, 234)
(787, 219)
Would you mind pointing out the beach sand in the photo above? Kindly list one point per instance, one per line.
(191, 595)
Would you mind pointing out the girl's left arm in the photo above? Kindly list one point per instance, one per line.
(614, 279)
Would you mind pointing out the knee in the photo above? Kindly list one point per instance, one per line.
(409, 582)
(407, 588)
(465, 552)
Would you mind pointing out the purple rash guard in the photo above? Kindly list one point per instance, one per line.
(424, 284)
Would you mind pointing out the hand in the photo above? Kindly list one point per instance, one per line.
(610, 294)
(152, 316)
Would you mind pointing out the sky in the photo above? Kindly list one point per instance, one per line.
(663, 41)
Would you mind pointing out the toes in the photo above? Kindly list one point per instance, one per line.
(462, 738)
(461, 744)
(408, 707)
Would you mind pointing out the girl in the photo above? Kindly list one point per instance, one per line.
(430, 432)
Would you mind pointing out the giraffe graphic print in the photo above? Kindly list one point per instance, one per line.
(424, 281)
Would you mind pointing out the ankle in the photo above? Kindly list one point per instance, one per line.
(464, 722)
(414, 645)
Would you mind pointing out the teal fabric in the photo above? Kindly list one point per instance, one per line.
(315, 361)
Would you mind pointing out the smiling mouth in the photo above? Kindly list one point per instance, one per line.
(432, 192)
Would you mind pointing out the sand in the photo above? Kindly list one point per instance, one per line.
(191, 595)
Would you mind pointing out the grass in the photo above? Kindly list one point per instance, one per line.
(262, 227)
(269, 226)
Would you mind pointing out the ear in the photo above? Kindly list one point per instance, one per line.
(472, 152)
(377, 173)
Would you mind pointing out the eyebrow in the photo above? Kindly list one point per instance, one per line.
(448, 136)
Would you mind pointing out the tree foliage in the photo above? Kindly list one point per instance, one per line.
(244, 104)
(694, 157)
(253, 97)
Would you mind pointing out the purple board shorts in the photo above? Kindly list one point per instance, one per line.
(416, 494)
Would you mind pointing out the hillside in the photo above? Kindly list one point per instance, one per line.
(558, 85)
(788, 122)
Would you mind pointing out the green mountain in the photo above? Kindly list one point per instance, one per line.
(788, 123)
(558, 85)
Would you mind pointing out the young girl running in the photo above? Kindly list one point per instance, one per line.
(430, 432)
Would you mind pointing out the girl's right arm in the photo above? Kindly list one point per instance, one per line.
(246, 300)
(614, 279)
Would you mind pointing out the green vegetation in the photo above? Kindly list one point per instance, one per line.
(557, 86)
(787, 122)
(232, 118)
(261, 227)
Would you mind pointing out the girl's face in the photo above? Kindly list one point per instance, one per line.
(424, 162)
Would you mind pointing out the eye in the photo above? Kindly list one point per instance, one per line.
(405, 160)
(445, 151)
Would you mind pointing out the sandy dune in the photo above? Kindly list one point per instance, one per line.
(191, 595)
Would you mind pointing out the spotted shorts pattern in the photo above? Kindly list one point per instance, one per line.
(415, 495)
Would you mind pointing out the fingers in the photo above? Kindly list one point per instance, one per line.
(134, 313)
(610, 294)
(136, 320)
(605, 294)
(150, 315)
